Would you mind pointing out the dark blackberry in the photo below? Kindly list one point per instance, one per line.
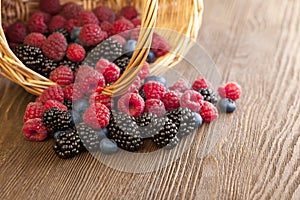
(31, 57)
(64, 32)
(67, 144)
(66, 62)
(68, 103)
(147, 123)
(108, 49)
(209, 95)
(55, 120)
(184, 120)
(125, 132)
(89, 137)
(167, 136)
(47, 67)
(142, 93)
(122, 62)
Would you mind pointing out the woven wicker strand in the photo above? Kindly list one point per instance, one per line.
(181, 16)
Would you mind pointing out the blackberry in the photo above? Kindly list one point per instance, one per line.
(64, 32)
(66, 62)
(55, 120)
(89, 137)
(68, 103)
(142, 93)
(147, 123)
(167, 136)
(209, 95)
(184, 119)
(47, 67)
(67, 144)
(31, 57)
(122, 62)
(108, 49)
(125, 132)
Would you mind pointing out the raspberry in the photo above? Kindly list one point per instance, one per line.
(54, 104)
(52, 93)
(231, 91)
(180, 86)
(62, 75)
(171, 100)
(16, 32)
(101, 65)
(159, 45)
(91, 34)
(34, 130)
(131, 104)
(88, 17)
(208, 111)
(200, 83)
(155, 106)
(50, 6)
(82, 72)
(73, 92)
(121, 26)
(93, 81)
(145, 71)
(33, 110)
(129, 12)
(135, 33)
(35, 39)
(110, 71)
(38, 23)
(136, 22)
(119, 39)
(57, 22)
(55, 46)
(104, 13)
(104, 99)
(135, 86)
(71, 24)
(107, 27)
(97, 116)
(71, 10)
(76, 53)
(154, 90)
(191, 99)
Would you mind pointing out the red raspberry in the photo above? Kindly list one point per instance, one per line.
(16, 32)
(129, 12)
(119, 39)
(71, 24)
(171, 100)
(208, 111)
(180, 86)
(73, 92)
(88, 17)
(93, 81)
(135, 33)
(33, 110)
(145, 71)
(122, 27)
(136, 22)
(159, 45)
(104, 13)
(55, 46)
(154, 90)
(57, 22)
(201, 83)
(107, 27)
(76, 53)
(110, 71)
(101, 65)
(82, 72)
(34, 130)
(104, 99)
(97, 116)
(38, 23)
(91, 34)
(191, 99)
(52, 93)
(71, 10)
(35, 39)
(135, 86)
(54, 104)
(132, 104)
(63, 75)
(155, 106)
(231, 91)
(50, 6)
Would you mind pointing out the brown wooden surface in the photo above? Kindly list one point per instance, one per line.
(255, 43)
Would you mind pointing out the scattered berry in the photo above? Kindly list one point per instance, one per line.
(88, 136)
(154, 90)
(88, 17)
(55, 46)
(91, 34)
(73, 92)
(35, 39)
(37, 23)
(97, 116)
(50, 6)
(129, 12)
(180, 86)
(200, 84)
(104, 13)
(122, 62)
(145, 71)
(54, 104)
(52, 93)
(108, 146)
(130, 47)
(208, 95)
(208, 111)
(159, 79)
(76, 53)
(155, 106)
(104, 99)
(198, 120)
(131, 104)
(191, 99)
(227, 105)
(107, 27)
(34, 130)
(136, 22)
(93, 81)
(81, 106)
(119, 39)
(122, 27)
(135, 86)
(231, 91)
(62, 75)
(151, 57)
(159, 45)
(171, 100)
(57, 22)
(57, 120)
(71, 10)
(33, 110)
(70, 25)
(110, 71)
(16, 32)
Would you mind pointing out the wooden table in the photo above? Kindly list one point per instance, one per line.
(255, 43)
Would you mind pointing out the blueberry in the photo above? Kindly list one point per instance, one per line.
(227, 105)
(108, 146)
(102, 133)
(151, 57)
(198, 120)
(80, 106)
(77, 118)
(57, 134)
(75, 33)
(129, 47)
(159, 79)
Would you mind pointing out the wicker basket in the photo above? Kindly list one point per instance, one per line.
(177, 15)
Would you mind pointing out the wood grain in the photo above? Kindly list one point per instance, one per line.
(255, 43)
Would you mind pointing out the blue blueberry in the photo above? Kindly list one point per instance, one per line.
(198, 120)
(108, 146)
(57, 134)
(227, 105)
(151, 57)
(77, 118)
(159, 79)
(129, 47)
(102, 133)
(75, 33)
(81, 106)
